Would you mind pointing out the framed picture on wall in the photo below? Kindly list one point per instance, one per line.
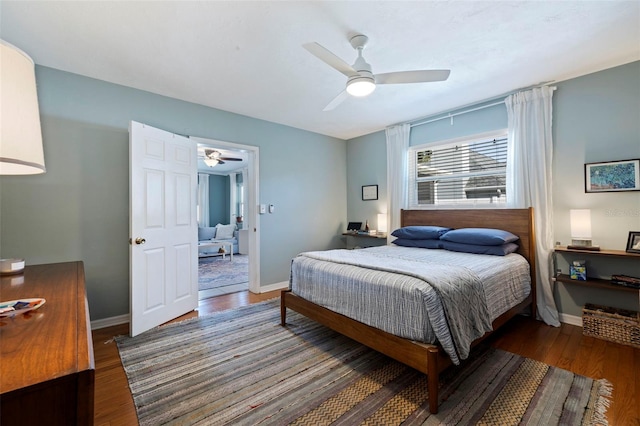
(612, 176)
(369, 192)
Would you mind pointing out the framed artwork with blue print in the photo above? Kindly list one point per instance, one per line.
(612, 176)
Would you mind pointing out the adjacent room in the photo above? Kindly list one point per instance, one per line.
(223, 255)
(379, 212)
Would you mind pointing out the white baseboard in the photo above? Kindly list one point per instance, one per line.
(570, 319)
(108, 322)
(275, 286)
(123, 319)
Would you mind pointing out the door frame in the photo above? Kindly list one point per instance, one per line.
(252, 219)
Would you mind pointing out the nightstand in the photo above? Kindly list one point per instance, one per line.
(355, 240)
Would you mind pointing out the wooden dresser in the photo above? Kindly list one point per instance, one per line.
(46, 356)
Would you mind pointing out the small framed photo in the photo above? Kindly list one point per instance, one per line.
(633, 243)
(369, 192)
(612, 176)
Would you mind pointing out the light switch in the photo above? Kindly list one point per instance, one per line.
(263, 208)
(271, 208)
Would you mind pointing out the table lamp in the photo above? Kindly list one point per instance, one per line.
(21, 150)
(581, 230)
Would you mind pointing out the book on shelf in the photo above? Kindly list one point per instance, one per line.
(626, 281)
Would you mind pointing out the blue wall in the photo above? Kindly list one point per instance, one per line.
(219, 198)
(595, 118)
(79, 209)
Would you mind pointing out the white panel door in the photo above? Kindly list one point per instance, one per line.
(163, 228)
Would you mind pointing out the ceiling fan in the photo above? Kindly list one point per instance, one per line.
(212, 158)
(361, 81)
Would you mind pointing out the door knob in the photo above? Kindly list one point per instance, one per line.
(140, 240)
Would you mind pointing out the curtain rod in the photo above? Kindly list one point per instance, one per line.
(451, 115)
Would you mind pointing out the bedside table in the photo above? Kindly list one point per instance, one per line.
(355, 240)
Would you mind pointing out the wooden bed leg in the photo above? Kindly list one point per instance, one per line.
(432, 379)
(283, 308)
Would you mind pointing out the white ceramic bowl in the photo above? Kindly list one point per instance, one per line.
(11, 266)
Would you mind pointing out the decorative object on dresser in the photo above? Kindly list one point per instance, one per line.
(47, 369)
(633, 243)
(612, 176)
(11, 266)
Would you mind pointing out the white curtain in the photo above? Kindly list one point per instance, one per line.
(397, 148)
(529, 181)
(203, 199)
(233, 197)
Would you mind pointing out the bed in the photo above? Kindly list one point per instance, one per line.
(430, 359)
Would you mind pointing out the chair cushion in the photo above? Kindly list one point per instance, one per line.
(225, 232)
(206, 233)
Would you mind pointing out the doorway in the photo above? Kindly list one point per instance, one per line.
(233, 168)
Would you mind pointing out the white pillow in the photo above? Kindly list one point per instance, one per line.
(224, 232)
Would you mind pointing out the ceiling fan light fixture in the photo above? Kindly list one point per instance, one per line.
(361, 86)
(211, 162)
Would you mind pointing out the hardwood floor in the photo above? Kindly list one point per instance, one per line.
(563, 347)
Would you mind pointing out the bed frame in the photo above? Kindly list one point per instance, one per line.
(427, 358)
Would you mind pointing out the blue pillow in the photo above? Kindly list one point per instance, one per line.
(480, 236)
(420, 232)
(430, 244)
(500, 250)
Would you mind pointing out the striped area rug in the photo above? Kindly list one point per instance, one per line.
(241, 367)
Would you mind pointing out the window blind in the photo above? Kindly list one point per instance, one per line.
(472, 172)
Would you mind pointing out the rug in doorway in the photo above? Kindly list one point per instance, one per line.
(216, 272)
(241, 367)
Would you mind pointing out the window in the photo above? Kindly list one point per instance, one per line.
(468, 171)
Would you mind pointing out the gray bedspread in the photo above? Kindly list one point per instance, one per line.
(403, 292)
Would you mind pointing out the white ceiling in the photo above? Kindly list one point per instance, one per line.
(246, 57)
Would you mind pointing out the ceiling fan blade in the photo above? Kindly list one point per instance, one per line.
(424, 76)
(336, 101)
(230, 159)
(330, 59)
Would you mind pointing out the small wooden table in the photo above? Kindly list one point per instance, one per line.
(47, 367)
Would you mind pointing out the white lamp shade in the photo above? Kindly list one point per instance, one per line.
(20, 134)
(382, 222)
(580, 223)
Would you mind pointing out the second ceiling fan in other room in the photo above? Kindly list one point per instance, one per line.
(361, 80)
(212, 158)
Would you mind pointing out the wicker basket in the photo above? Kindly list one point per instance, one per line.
(614, 325)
